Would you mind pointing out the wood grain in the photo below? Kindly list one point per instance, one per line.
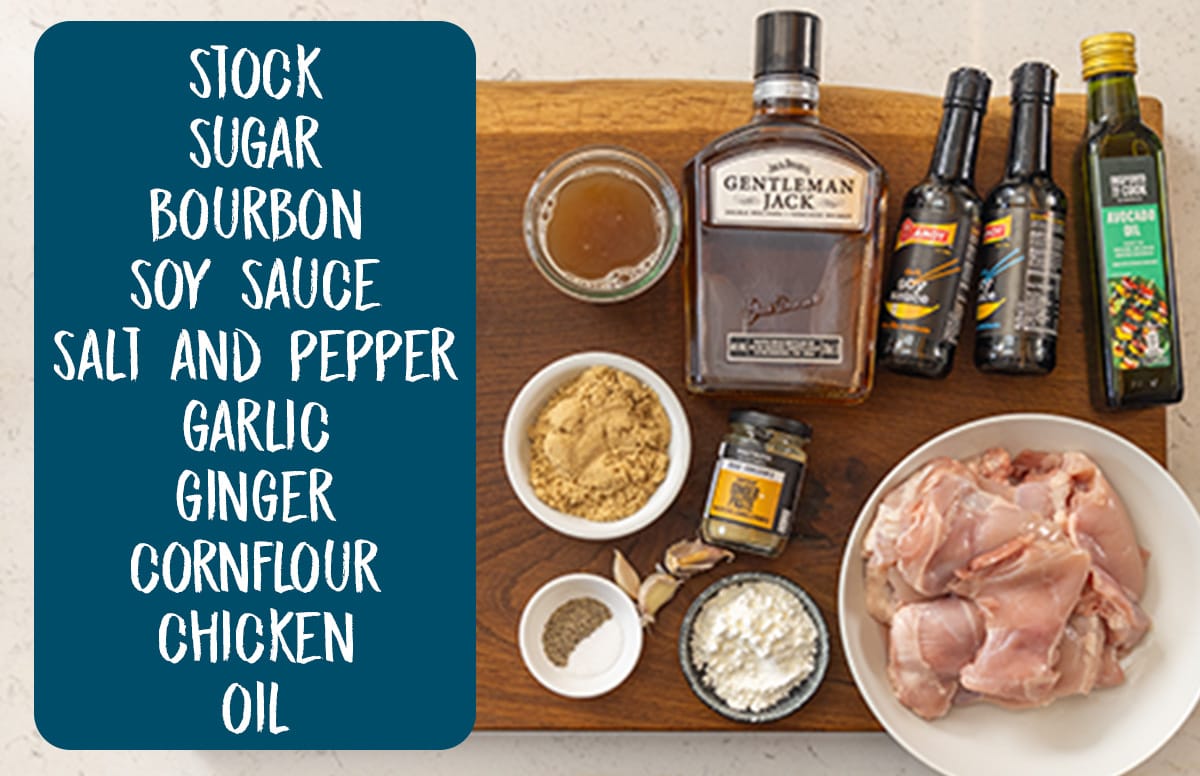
(523, 324)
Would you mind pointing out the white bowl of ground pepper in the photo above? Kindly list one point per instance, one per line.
(580, 635)
(596, 446)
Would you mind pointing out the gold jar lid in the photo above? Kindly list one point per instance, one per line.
(1108, 52)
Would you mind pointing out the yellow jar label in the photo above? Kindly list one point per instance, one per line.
(747, 494)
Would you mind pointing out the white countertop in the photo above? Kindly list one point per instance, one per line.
(882, 43)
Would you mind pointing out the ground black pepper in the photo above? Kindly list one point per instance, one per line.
(569, 624)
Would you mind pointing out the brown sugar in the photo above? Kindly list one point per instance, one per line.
(598, 449)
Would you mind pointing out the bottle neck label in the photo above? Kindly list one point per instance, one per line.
(770, 88)
(1138, 314)
(787, 188)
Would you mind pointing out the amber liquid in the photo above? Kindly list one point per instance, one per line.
(767, 281)
(783, 281)
(601, 223)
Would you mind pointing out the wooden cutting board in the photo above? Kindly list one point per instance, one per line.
(523, 324)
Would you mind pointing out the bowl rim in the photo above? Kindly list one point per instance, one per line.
(680, 447)
(800, 695)
(851, 558)
(631, 650)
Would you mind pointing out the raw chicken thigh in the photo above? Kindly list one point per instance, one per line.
(1012, 580)
(929, 644)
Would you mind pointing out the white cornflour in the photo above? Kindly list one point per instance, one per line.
(753, 642)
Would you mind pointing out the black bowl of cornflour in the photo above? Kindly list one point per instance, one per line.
(799, 694)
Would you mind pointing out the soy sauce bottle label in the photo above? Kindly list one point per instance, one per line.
(1020, 278)
(926, 290)
(1130, 231)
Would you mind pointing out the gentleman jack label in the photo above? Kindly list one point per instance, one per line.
(773, 189)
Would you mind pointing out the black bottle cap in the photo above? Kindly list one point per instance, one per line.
(766, 420)
(788, 42)
(1033, 82)
(968, 87)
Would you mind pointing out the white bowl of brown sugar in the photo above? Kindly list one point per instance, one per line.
(596, 445)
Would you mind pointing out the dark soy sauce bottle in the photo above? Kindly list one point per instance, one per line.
(1024, 227)
(933, 262)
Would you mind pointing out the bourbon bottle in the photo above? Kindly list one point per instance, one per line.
(784, 255)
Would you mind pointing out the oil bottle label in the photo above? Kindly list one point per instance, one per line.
(932, 262)
(1020, 277)
(758, 493)
(787, 188)
(1138, 315)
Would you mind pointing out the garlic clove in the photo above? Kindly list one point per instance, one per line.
(655, 591)
(692, 556)
(625, 575)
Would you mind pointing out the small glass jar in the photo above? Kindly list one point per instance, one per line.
(756, 483)
(603, 223)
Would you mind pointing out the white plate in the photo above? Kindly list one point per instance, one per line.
(1110, 731)
(602, 660)
(530, 401)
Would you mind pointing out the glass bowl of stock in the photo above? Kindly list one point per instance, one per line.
(603, 223)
